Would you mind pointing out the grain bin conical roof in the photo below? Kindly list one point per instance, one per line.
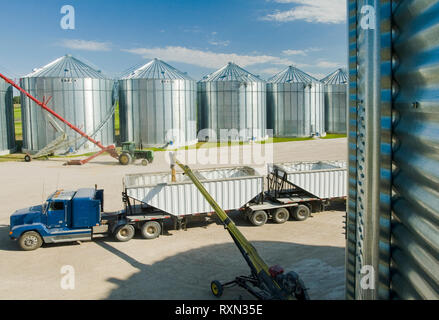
(339, 76)
(157, 69)
(232, 72)
(292, 75)
(66, 67)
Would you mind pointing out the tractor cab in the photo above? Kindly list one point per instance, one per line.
(130, 154)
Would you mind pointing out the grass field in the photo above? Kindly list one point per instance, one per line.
(18, 123)
(334, 136)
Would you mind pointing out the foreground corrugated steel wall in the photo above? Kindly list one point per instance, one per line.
(393, 208)
(80, 94)
(336, 113)
(7, 130)
(232, 100)
(295, 104)
(158, 106)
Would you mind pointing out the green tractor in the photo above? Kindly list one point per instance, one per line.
(130, 154)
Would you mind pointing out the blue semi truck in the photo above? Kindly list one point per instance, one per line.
(69, 216)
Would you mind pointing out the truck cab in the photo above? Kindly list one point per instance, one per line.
(65, 216)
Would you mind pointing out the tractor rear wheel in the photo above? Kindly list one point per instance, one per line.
(125, 159)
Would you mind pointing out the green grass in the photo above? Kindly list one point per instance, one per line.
(117, 120)
(18, 123)
(280, 140)
(334, 136)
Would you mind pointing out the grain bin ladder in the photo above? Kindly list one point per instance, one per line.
(272, 283)
(111, 150)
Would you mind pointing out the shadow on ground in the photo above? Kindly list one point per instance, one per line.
(187, 275)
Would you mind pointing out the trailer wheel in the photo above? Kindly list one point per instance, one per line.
(301, 213)
(217, 288)
(27, 158)
(151, 230)
(125, 159)
(30, 240)
(124, 233)
(281, 215)
(259, 218)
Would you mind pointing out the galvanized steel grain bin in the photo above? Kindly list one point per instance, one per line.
(79, 93)
(7, 131)
(295, 104)
(393, 207)
(336, 88)
(232, 188)
(158, 106)
(232, 103)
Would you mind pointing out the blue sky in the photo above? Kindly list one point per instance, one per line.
(195, 36)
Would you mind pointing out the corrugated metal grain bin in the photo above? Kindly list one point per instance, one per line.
(232, 188)
(79, 93)
(393, 207)
(336, 112)
(295, 104)
(323, 179)
(158, 106)
(7, 130)
(234, 100)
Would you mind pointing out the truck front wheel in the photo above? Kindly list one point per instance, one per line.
(124, 233)
(30, 240)
(151, 230)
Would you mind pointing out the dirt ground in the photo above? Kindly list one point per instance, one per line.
(179, 265)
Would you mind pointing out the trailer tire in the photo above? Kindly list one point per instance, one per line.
(151, 230)
(217, 288)
(30, 241)
(27, 158)
(281, 215)
(125, 159)
(301, 213)
(124, 233)
(259, 218)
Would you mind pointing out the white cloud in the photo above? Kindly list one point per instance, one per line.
(207, 59)
(294, 52)
(77, 44)
(219, 43)
(314, 11)
(328, 64)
